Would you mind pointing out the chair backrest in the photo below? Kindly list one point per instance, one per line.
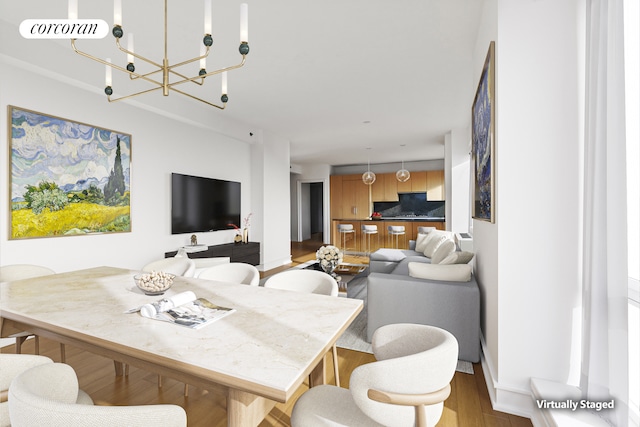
(46, 395)
(23, 271)
(411, 359)
(302, 280)
(178, 266)
(234, 272)
(13, 365)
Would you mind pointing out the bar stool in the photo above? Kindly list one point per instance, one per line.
(394, 232)
(345, 230)
(367, 232)
(425, 230)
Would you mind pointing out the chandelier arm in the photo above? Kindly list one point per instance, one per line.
(186, 79)
(117, 67)
(189, 61)
(212, 73)
(198, 99)
(135, 76)
(135, 55)
(133, 94)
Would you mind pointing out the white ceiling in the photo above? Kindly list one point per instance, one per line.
(334, 76)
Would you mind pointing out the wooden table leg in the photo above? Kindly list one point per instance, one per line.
(246, 409)
(318, 376)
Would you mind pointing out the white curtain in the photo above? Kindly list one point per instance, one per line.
(604, 372)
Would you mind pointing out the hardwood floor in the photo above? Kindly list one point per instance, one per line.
(468, 405)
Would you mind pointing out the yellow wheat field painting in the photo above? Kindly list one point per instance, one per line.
(67, 178)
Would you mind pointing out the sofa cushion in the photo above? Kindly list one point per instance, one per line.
(403, 266)
(461, 257)
(434, 239)
(421, 242)
(383, 254)
(447, 273)
(445, 249)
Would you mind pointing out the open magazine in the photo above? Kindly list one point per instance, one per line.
(185, 309)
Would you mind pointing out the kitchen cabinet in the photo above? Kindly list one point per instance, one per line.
(390, 188)
(349, 197)
(435, 185)
(418, 181)
(377, 188)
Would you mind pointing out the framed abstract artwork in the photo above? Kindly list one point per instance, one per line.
(483, 142)
(66, 178)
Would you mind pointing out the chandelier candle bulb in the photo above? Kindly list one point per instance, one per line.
(224, 83)
(207, 16)
(117, 12)
(244, 23)
(130, 57)
(203, 61)
(107, 73)
(73, 9)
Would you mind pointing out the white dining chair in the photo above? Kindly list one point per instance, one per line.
(13, 365)
(12, 272)
(406, 386)
(234, 272)
(309, 281)
(178, 266)
(48, 395)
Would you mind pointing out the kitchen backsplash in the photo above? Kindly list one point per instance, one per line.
(411, 204)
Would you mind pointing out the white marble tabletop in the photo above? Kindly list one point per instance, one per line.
(266, 347)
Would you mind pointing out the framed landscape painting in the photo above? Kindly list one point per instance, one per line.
(483, 142)
(66, 178)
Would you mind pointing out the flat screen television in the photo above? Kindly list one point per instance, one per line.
(203, 204)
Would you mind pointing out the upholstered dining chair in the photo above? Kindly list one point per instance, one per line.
(310, 281)
(12, 366)
(406, 386)
(48, 395)
(178, 266)
(234, 272)
(9, 273)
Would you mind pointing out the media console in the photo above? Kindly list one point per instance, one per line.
(238, 252)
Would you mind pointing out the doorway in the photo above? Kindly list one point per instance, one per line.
(311, 219)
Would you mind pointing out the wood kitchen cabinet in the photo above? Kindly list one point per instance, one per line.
(435, 185)
(349, 197)
(390, 188)
(418, 181)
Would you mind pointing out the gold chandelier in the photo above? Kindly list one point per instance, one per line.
(165, 76)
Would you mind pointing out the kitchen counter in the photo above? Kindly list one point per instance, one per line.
(397, 218)
(355, 242)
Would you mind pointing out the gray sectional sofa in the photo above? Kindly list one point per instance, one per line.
(393, 296)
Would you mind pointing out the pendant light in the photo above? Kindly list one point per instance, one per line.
(403, 175)
(368, 177)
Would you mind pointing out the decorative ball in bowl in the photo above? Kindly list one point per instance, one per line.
(154, 283)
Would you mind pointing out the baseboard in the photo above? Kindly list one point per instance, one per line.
(507, 398)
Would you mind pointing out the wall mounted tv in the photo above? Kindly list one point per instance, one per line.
(203, 204)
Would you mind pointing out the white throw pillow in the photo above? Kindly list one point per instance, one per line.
(434, 239)
(462, 257)
(446, 273)
(445, 249)
(421, 242)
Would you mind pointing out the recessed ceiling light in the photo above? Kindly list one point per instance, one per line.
(367, 122)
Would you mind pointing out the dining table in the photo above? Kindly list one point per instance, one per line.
(257, 356)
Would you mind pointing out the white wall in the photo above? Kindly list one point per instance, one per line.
(457, 175)
(528, 261)
(160, 145)
(270, 184)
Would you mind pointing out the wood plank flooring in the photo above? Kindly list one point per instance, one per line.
(468, 405)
